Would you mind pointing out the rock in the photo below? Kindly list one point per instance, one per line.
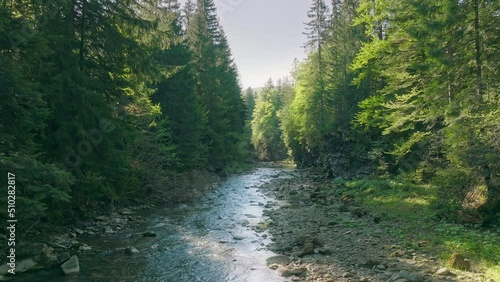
(443, 272)
(397, 254)
(126, 212)
(380, 267)
(78, 231)
(364, 279)
(298, 270)
(301, 240)
(71, 267)
(25, 265)
(458, 261)
(325, 251)
(273, 266)
(4, 269)
(347, 275)
(238, 237)
(149, 234)
(109, 230)
(307, 249)
(279, 260)
(40, 253)
(318, 242)
(85, 248)
(131, 250)
(332, 223)
(102, 218)
(284, 271)
(372, 263)
(63, 257)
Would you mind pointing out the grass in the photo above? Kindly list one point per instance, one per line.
(410, 208)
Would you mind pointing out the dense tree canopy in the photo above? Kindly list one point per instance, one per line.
(102, 100)
(406, 88)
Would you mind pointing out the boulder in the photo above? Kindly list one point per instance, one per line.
(325, 251)
(108, 230)
(63, 257)
(26, 265)
(279, 260)
(443, 272)
(307, 249)
(238, 237)
(40, 253)
(298, 270)
(71, 267)
(284, 271)
(318, 242)
(131, 250)
(85, 248)
(149, 234)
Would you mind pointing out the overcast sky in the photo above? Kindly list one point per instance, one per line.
(265, 36)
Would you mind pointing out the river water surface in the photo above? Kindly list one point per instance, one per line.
(217, 238)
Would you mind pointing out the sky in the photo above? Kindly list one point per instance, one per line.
(264, 35)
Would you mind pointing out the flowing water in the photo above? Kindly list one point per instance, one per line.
(215, 239)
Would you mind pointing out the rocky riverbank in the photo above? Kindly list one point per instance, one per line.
(61, 249)
(328, 238)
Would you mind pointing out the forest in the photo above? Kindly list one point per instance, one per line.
(107, 101)
(405, 90)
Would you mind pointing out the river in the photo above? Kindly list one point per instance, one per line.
(216, 238)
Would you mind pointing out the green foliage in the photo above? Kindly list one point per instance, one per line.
(406, 88)
(266, 130)
(410, 213)
(102, 101)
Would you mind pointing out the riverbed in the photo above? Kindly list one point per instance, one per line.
(219, 237)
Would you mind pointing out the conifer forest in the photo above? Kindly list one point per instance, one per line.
(394, 109)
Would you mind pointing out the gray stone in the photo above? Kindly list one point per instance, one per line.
(443, 272)
(126, 212)
(85, 248)
(71, 267)
(298, 270)
(63, 257)
(102, 218)
(284, 271)
(318, 242)
(325, 251)
(149, 234)
(347, 275)
(279, 260)
(131, 250)
(307, 249)
(109, 230)
(160, 225)
(238, 237)
(78, 231)
(25, 265)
